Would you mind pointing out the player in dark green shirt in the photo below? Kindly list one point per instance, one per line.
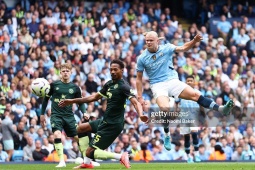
(117, 91)
(62, 118)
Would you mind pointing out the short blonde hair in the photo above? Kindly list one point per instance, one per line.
(66, 65)
(159, 38)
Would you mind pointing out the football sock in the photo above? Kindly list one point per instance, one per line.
(100, 154)
(166, 130)
(187, 143)
(59, 148)
(83, 145)
(207, 103)
(195, 140)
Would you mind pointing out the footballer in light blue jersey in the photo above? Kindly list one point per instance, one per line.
(158, 65)
(157, 62)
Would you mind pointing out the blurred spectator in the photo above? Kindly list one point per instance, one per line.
(2, 105)
(237, 155)
(39, 154)
(8, 132)
(203, 153)
(143, 154)
(53, 157)
(90, 84)
(46, 145)
(35, 38)
(3, 155)
(227, 150)
(177, 153)
(74, 152)
(159, 153)
(41, 135)
(218, 154)
(250, 45)
(29, 149)
(223, 27)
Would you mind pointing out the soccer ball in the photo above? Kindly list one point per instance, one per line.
(40, 87)
(78, 160)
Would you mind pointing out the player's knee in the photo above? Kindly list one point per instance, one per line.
(57, 134)
(195, 96)
(90, 152)
(76, 138)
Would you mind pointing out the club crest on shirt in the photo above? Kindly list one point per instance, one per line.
(116, 86)
(57, 88)
(71, 91)
(154, 57)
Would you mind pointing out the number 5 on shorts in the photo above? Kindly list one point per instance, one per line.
(97, 138)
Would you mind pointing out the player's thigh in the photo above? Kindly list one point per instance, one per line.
(176, 88)
(70, 126)
(106, 134)
(184, 130)
(194, 129)
(189, 93)
(159, 90)
(95, 124)
(56, 123)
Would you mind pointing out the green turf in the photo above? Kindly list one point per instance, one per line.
(140, 166)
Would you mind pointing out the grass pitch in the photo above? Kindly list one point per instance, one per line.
(139, 166)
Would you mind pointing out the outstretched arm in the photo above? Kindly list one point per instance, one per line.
(189, 44)
(139, 84)
(139, 109)
(88, 99)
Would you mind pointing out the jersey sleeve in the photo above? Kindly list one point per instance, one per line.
(77, 92)
(171, 47)
(128, 92)
(140, 66)
(51, 89)
(103, 91)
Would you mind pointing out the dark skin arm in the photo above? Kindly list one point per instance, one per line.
(139, 109)
(88, 99)
(96, 97)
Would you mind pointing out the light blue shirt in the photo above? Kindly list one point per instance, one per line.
(181, 61)
(242, 39)
(99, 64)
(228, 151)
(174, 155)
(158, 66)
(205, 156)
(3, 156)
(224, 26)
(247, 155)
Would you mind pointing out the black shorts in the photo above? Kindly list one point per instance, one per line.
(67, 123)
(105, 133)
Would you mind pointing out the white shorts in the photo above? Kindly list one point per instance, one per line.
(8, 145)
(187, 130)
(170, 88)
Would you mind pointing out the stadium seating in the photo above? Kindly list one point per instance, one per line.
(18, 155)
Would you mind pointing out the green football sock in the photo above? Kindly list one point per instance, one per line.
(83, 145)
(59, 148)
(100, 154)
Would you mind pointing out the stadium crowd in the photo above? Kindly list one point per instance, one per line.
(37, 37)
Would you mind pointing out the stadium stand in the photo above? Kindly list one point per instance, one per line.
(37, 36)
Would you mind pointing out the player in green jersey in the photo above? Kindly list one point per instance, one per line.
(62, 118)
(117, 91)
